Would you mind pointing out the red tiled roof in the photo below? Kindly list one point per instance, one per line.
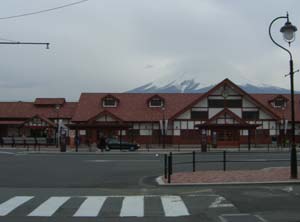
(49, 101)
(24, 110)
(282, 113)
(132, 106)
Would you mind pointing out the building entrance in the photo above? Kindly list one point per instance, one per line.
(228, 138)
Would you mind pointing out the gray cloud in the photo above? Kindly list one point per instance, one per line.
(113, 46)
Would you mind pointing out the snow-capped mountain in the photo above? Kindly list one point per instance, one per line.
(189, 84)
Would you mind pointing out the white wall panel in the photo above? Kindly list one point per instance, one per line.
(176, 132)
(247, 103)
(186, 115)
(212, 112)
(176, 125)
(236, 111)
(144, 132)
(202, 103)
(184, 125)
(191, 125)
(263, 115)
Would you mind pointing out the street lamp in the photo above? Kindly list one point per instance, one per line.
(288, 31)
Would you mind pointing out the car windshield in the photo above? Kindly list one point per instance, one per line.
(113, 141)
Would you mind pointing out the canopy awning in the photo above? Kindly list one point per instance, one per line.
(114, 125)
(227, 126)
(11, 122)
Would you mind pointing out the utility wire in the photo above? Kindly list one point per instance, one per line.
(8, 40)
(42, 11)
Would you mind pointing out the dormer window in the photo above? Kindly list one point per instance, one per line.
(279, 102)
(109, 102)
(156, 102)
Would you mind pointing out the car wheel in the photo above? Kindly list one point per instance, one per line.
(132, 148)
(107, 148)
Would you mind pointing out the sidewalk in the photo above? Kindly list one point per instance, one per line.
(267, 175)
(53, 149)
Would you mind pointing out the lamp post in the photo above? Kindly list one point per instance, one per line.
(288, 31)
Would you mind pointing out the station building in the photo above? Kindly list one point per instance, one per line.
(224, 116)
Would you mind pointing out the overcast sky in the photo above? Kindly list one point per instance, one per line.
(117, 45)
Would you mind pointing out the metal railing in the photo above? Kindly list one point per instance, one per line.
(169, 162)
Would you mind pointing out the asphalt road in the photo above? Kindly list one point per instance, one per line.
(121, 187)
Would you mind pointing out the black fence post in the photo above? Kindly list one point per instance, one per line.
(194, 161)
(171, 164)
(169, 168)
(166, 165)
(224, 160)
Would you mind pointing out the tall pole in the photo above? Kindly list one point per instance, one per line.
(293, 157)
(294, 168)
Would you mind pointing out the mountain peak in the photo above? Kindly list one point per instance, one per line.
(186, 83)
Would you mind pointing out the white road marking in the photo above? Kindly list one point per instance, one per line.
(90, 207)
(105, 161)
(218, 203)
(174, 206)
(49, 207)
(241, 217)
(288, 189)
(13, 203)
(132, 206)
(8, 153)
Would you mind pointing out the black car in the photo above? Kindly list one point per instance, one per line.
(123, 145)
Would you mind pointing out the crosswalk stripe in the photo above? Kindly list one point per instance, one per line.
(49, 207)
(132, 206)
(174, 206)
(13, 203)
(90, 207)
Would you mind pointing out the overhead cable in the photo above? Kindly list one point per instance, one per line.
(42, 11)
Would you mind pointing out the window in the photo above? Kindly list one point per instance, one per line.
(221, 103)
(133, 132)
(216, 103)
(156, 102)
(233, 103)
(199, 115)
(279, 102)
(109, 102)
(250, 115)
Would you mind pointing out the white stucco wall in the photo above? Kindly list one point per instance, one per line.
(213, 111)
(186, 115)
(263, 115)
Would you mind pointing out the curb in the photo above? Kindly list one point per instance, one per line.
(160, 182)
(84, 153)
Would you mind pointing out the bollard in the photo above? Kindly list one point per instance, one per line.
(224, 160)
(171, 163)
(169, 168)
(194, 161)
(166, 165)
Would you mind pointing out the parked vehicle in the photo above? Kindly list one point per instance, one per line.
(123, 145)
